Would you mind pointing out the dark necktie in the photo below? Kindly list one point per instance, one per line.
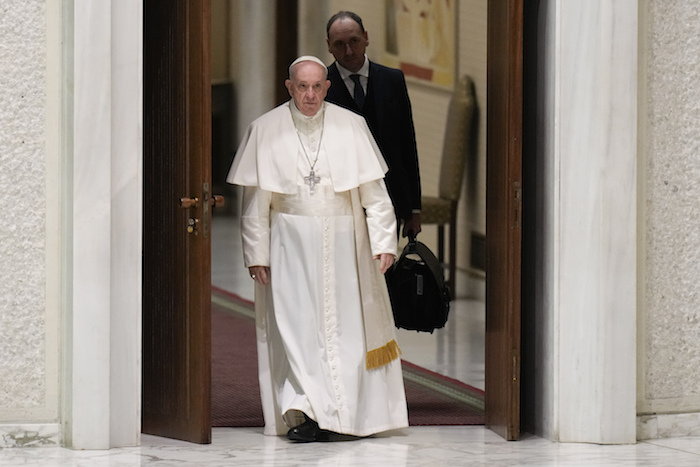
(359, 94)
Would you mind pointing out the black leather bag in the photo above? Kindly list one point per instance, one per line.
(419, 296)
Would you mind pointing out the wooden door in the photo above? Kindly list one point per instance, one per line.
(503, 216)
(176, 394)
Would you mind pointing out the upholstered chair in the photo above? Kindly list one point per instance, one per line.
(458, 142)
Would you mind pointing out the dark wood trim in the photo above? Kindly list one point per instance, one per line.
(503, 216)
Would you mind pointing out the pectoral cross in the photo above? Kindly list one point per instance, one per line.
(312, 180)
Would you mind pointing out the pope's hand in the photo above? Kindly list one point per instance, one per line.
(386, 260)
(260, 274)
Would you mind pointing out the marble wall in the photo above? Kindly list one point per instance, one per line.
(28, 351)
(669, 380)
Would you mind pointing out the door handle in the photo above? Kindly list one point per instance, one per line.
(218, 201)
(187, 203)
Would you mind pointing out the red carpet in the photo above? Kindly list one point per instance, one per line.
(432, 399)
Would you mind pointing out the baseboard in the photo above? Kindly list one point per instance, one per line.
(30, 435)
(660, 426)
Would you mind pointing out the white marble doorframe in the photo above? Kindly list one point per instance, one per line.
(103, 151)
(588, 80)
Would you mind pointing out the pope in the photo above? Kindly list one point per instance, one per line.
(319, 232)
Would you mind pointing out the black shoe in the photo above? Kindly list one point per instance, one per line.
(307, 432)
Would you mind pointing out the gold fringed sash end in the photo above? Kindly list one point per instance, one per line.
(383, 355)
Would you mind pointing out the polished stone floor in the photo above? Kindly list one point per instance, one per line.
(415, 446)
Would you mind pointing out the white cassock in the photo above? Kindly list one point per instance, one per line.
(313, 321)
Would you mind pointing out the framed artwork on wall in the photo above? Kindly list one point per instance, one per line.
(420, 39)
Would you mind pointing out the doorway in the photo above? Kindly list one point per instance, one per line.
(504, 208)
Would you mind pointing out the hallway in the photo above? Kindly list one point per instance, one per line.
(456, 351)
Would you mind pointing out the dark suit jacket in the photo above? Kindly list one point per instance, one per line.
(387, 110)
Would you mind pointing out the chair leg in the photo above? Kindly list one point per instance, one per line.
(453, 256)
(441, 244)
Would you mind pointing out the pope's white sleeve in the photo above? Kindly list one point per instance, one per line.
(255, 226)
(381, 220)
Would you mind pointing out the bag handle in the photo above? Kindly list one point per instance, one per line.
(418, 248)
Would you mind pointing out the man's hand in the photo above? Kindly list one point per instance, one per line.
(260, 274)
(386, 260)
(411, 227)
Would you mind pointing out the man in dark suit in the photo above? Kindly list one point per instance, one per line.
(379, 94)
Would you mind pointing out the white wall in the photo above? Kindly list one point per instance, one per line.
(669, 348)
(29, 298)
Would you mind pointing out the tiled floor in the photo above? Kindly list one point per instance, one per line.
(457, 351)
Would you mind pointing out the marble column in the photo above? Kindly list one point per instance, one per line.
(588, 138)
(103, 153)
(254, 78)
(313, 15)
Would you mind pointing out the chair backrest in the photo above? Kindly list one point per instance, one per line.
(459, 138)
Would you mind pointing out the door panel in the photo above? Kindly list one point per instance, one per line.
(503, 216)
(176, 243)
